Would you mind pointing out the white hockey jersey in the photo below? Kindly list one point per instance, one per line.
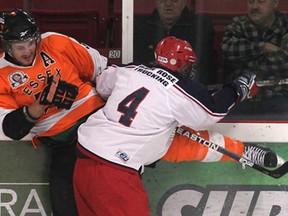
(144, 106)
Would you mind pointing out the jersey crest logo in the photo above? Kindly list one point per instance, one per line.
(17, 78)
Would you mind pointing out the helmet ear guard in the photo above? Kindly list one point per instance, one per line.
(176, 55)
(188, 72)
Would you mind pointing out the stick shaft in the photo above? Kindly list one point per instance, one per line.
(272, 82)
(261, 83)
(277, 173)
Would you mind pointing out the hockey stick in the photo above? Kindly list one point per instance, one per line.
(261, 83)
(271, 82)
(276, 173)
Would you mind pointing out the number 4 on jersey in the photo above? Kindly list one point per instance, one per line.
(129, 105)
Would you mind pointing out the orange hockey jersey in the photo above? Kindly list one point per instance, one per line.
(56, 55)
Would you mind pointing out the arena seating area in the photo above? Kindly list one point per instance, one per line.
(98, 22)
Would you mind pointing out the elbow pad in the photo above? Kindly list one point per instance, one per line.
(17, 124)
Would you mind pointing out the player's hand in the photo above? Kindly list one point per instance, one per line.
(58, 93)
(245, 86)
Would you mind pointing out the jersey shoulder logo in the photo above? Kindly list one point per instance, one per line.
(17, 78)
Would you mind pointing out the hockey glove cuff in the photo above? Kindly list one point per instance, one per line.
(58, 93)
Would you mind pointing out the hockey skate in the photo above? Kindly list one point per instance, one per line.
(261, 155)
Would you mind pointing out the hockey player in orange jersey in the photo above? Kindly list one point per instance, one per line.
(46, 90)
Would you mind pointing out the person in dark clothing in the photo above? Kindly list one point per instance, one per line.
(172, 17)
(258, 42)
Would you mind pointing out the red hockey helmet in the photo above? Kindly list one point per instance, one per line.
(176, 55)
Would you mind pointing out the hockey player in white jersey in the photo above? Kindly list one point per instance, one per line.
(144, 106)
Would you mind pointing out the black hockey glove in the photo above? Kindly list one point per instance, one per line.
(58, 93)
(245, 86)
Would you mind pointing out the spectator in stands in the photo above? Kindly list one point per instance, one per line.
(258, 42)
(172, 17)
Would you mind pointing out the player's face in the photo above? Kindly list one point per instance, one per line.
(262, 12)
(24, 51)
(170, 10)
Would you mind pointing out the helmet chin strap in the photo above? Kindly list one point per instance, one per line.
(7, 46)
(10, 58)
